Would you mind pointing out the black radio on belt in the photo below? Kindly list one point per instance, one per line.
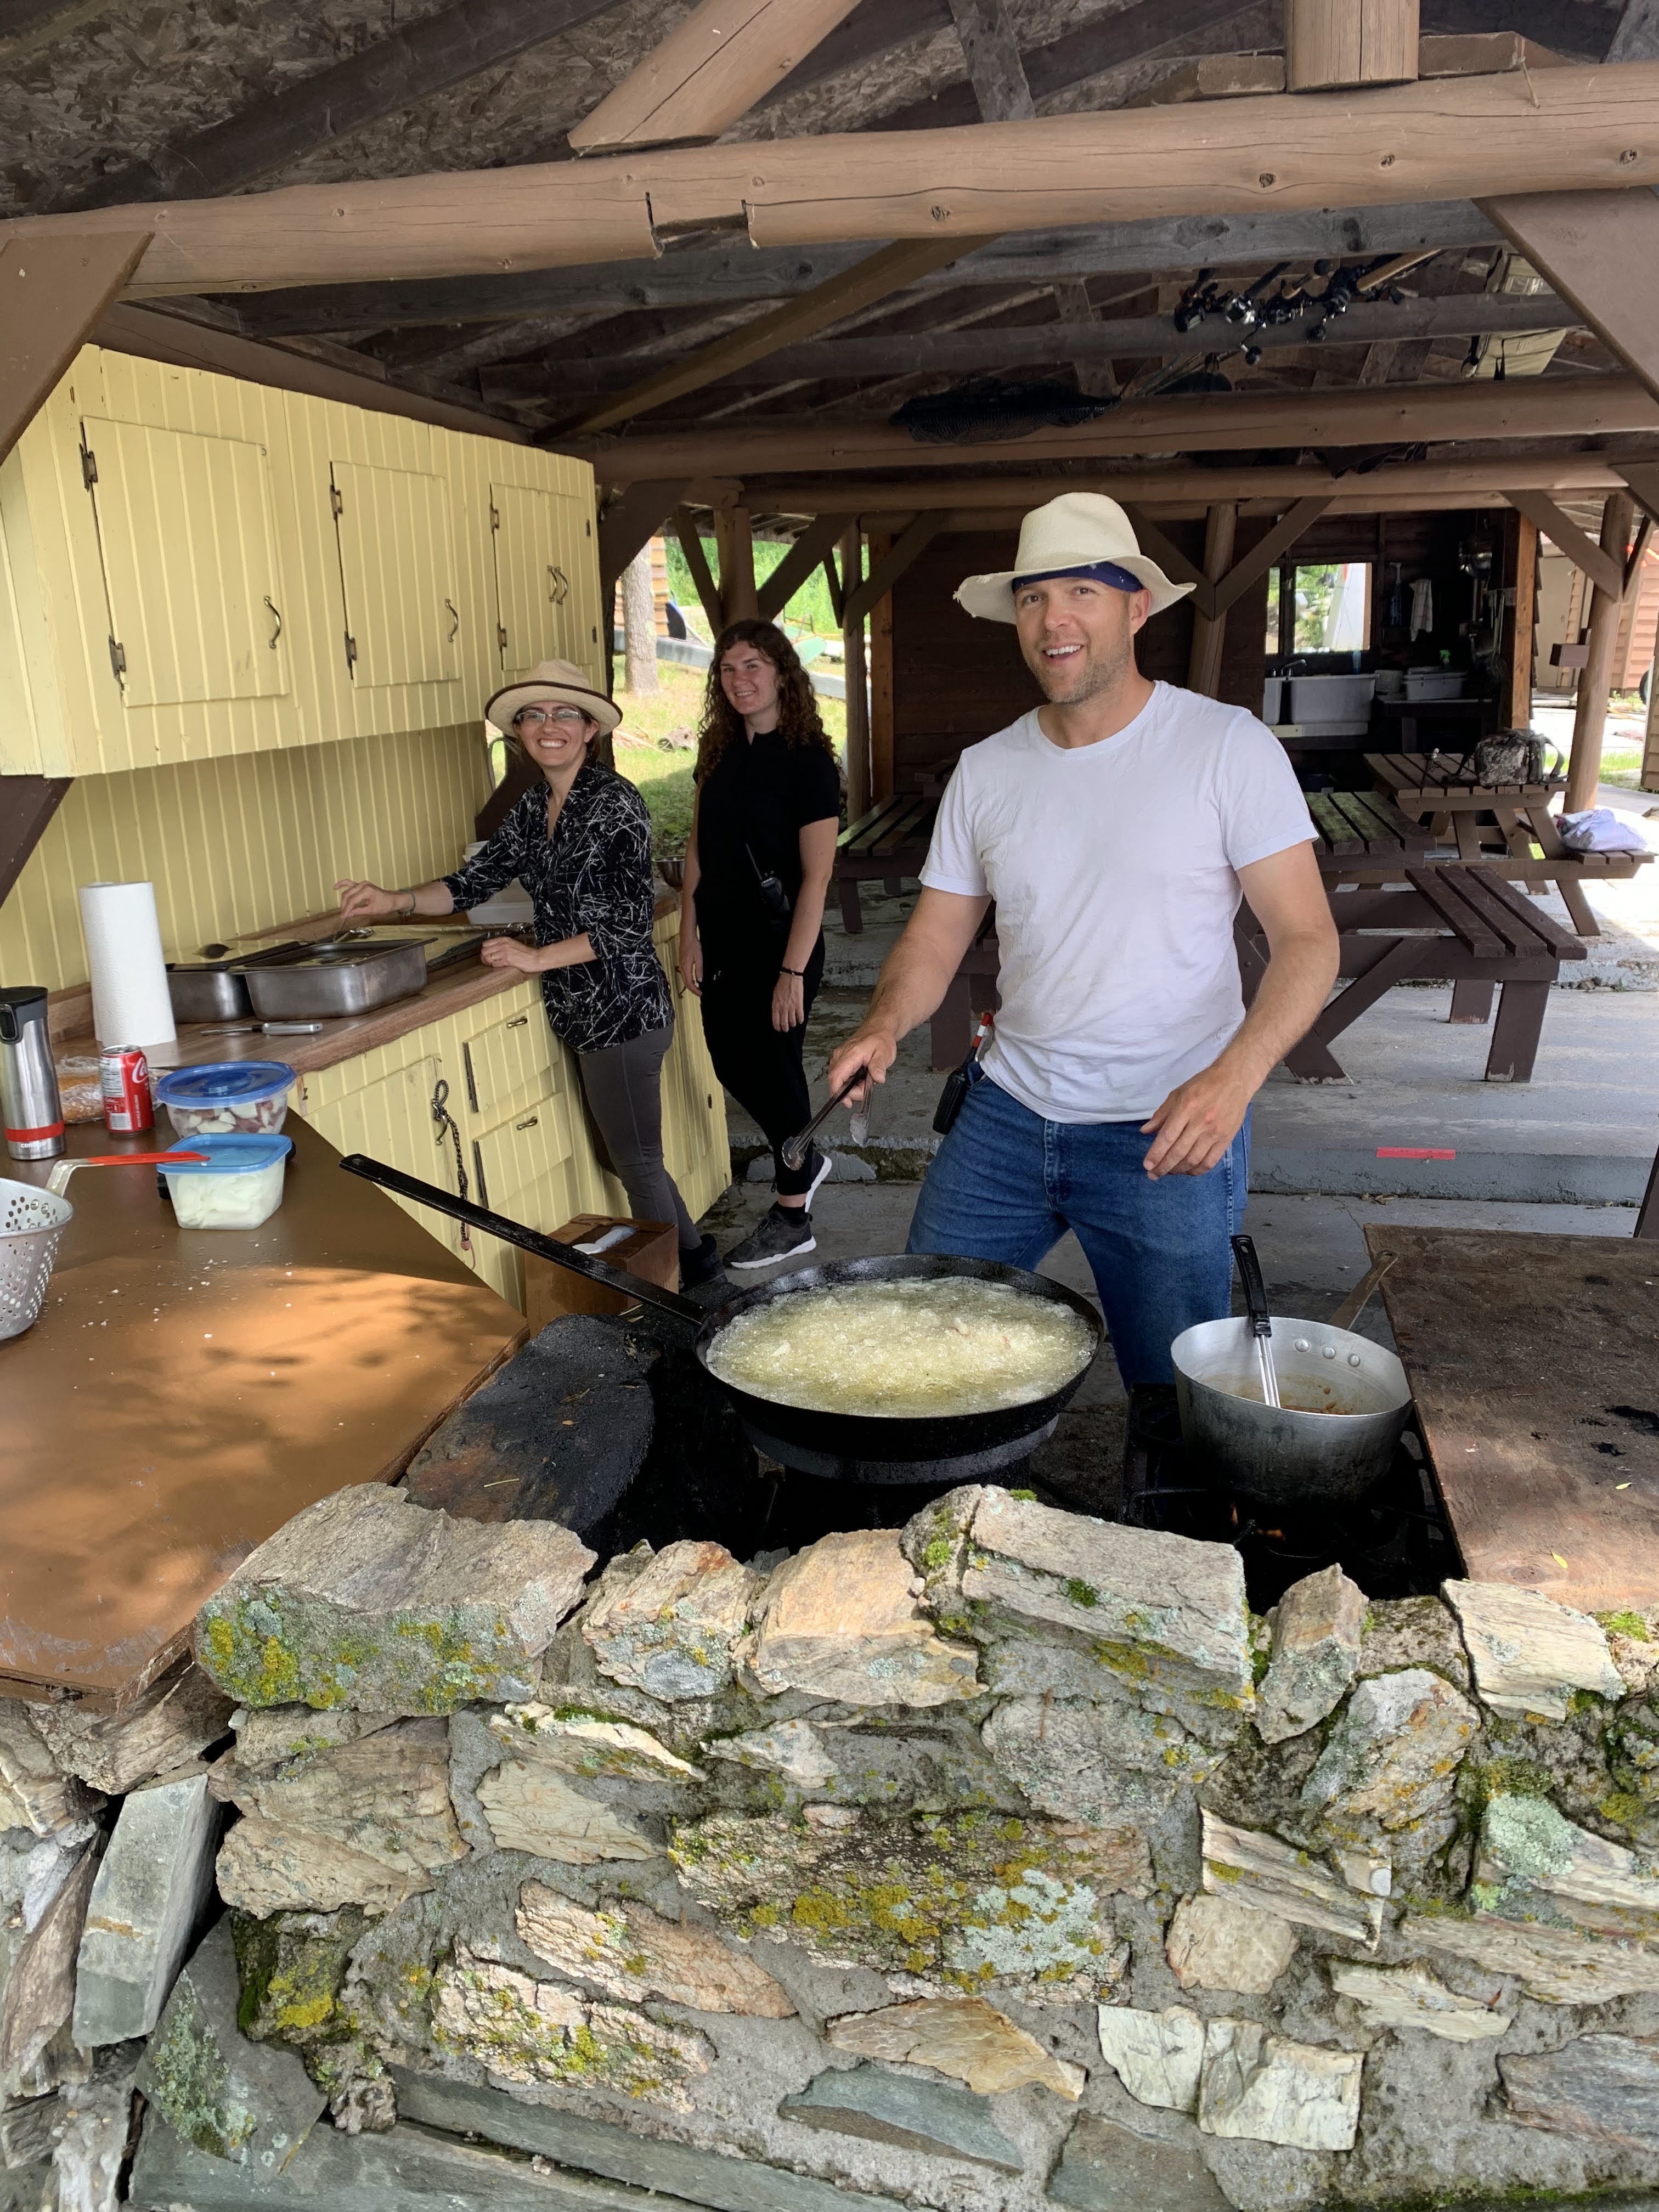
(956, 1083)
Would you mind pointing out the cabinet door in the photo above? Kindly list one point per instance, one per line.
(539, 609)
(391, 1120)
(509, 1060)
(526, 1162)
(401, 605)
(189, 555)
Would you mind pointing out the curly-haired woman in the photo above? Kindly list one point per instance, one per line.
(758, 868)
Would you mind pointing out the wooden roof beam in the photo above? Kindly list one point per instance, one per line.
(1604, 570)
(883, 274)
(1580, 130)
(711, 68)
(1520, 408)
(1600, 249)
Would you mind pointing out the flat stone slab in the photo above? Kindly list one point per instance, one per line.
(557, 1434)
(365, 1599)
(1393, 1755)
(1262, 1874)
(841, 1619)
(1220, 1943)
(1603, 2088)
(531, 1807)
(594, 2146)
(1106, 2168)
(1540, 1865)
(1528, 1653)
(247, 2107)
(34, 1793)
(147, 1904)
(1158, 2056)
(933, 2118)
(962, 2036)
(670, 1632)
(633, 1954)
(1316, 1655)
(1270, 2090)
(172, 1724)
(1405, 1997)
(1557, 1965)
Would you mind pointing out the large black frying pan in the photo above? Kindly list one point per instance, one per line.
(850, 1447)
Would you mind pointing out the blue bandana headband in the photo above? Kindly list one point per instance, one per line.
(1103, 572)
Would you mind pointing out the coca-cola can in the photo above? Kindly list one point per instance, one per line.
(123, 1078)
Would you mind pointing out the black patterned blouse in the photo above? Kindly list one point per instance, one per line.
(593, 874)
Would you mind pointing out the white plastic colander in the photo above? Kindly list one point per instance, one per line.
(31, 1222)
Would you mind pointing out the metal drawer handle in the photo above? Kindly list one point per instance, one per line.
(529, 1121)
(276, 616)
(517, 1021)
(455, 622)
(560, 587)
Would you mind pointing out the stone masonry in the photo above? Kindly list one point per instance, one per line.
(999, 1862)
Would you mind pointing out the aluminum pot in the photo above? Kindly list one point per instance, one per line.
(1345, 1401)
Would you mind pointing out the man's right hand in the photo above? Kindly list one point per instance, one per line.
(874, 1048)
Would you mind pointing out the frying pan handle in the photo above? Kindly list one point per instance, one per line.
(1255, 1291)
(527, 1240)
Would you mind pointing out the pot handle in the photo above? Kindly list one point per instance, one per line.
(1255, 1291)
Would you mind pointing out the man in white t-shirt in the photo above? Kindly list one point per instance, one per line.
(1115, 828)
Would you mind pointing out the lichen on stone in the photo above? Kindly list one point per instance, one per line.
(190, 2082)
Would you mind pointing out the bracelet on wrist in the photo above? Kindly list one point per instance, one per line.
(797, 972)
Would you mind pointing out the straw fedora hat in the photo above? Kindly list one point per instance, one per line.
(551, 679)
(1076, 531)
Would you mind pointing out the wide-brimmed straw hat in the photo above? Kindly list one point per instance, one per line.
(1076, 531)
(551, 679)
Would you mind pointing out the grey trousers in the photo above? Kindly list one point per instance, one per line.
(623, 1085)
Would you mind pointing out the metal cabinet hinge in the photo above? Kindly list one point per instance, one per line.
(352, 653)
(118, 659)
(88, 467)
(336, 501)
(495, 516)
(501, 637)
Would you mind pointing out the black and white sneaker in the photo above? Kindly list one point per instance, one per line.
(822, 1164)
(783, 1234)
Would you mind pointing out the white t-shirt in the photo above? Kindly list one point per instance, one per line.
(1114, 869)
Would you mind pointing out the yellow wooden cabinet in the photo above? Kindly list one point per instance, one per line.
(192, 567)
(490, 1095)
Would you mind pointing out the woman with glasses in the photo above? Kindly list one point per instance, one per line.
(580, 844)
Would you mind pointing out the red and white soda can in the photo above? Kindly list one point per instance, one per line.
(123, 1078)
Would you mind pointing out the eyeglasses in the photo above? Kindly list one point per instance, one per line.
(531, 717)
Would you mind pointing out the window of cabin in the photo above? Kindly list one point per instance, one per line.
(1319, 607)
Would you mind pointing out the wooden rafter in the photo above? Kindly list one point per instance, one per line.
(1643, 477)
(415, 62)
(711, 68)
(1267, 551)
(1453, 137)
(1530, 407)
(1637, 39)
(814, 548)
(703, 576)
(1169, 556)
(631, 522)
(912, 541)
(1604, 571)
(51, 296)
(991, 50)
(883, 273)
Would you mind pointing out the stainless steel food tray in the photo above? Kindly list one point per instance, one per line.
(341, 979)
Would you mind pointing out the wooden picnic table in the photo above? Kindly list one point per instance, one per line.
(884, 845)
(1455, 921)
(1531, 1360)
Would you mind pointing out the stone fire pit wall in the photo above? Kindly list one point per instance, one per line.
(1003, 1861)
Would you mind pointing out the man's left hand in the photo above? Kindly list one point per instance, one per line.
(1198, 1121)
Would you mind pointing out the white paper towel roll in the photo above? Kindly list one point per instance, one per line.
(130, 1001)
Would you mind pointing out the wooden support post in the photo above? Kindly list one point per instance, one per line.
(859, 795)
(1339, 42)
(736, 547)
(881, 673)
(1520, 575)
(696, 561)
(1651, 746)
(1590, 720)
(1647, 1221)
(1209, 632)
(52, 290)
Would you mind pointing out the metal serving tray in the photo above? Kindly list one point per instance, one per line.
(335, 978)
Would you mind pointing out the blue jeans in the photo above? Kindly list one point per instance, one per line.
(1007, 1185)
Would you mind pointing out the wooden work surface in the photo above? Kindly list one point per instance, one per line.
(186, 1392)
(1534, 1363)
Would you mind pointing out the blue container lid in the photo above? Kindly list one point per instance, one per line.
(224, 1080)
(230, 1155)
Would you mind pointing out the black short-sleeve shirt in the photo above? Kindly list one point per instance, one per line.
(760, 795)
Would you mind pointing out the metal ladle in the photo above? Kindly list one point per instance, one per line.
(1261, 1321)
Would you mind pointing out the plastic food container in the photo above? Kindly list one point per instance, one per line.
(1428, 684)
(238, 1186)
(227, 1098)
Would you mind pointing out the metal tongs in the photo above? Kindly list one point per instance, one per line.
(792, 1150)
(57, 1181)
(1261, 1321)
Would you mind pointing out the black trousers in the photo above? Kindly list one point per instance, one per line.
(761, 1067)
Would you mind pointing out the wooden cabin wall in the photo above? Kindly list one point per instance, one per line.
(956, 680)
(244, 843)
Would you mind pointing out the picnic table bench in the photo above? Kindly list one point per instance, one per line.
(1457, 921)
(884, 845)
(1508, 826)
